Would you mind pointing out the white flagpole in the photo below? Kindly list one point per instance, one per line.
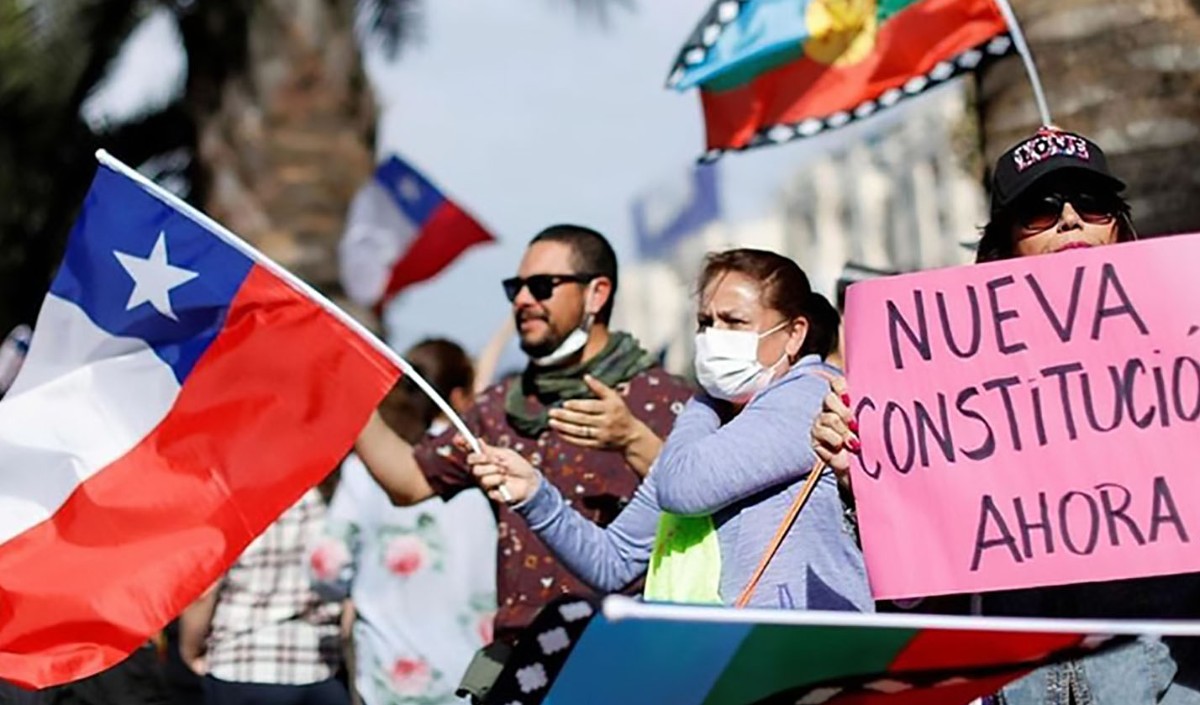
(245, 248)
(617, 608)
(1018, 37)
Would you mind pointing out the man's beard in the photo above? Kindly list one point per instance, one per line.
(543, 347)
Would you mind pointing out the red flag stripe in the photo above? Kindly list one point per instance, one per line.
(445, 235)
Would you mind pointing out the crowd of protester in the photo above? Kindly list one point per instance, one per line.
(605, 473)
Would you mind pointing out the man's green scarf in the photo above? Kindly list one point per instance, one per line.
(539, 389)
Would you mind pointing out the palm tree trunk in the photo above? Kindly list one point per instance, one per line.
(1126, 74)
(283, 142)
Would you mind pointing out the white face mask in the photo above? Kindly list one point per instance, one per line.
(574, 341)
(727, 365)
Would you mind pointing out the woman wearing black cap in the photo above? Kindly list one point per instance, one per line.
(1050, 193)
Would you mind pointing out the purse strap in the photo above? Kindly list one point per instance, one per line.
(781, 533)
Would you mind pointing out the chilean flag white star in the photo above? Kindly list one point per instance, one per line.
(154, 278)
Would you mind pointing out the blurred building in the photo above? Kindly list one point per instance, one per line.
(899, 198)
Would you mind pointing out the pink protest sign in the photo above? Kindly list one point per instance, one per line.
(1031, 422)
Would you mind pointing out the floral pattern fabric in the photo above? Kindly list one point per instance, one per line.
(422, 580)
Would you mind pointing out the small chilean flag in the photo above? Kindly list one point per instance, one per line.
(401, 230)
(179, 393)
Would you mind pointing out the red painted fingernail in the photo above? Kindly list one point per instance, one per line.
(853, 425)
(854, 445)
(845, 398)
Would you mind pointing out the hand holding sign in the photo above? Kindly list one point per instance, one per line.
(1029, 422)
(833, 431)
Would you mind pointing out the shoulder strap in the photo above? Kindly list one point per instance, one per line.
(781, 532)
(788, 519)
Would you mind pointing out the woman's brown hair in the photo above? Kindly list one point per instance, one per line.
(446, 366)
(785, 288)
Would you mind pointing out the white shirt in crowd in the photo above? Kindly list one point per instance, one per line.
(423, 582)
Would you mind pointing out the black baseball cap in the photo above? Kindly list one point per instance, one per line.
(1047, 151)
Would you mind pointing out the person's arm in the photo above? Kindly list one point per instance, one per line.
(346, 625)
(607, 559)
(194, 625)
(391, 461)
(705, 467)
(643, 449)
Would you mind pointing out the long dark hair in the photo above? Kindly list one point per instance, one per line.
(446, 366)
(785, 288)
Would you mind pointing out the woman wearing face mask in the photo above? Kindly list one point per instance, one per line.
(731, 467)
(1053, 193)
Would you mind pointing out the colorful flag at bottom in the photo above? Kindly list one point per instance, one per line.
(622, 651)
(771, 71)
(179, 393)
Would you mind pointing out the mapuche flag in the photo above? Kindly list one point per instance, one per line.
(622, 651)
(771, 71)
(179, 393)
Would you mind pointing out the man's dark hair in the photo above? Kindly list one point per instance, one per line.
(590, 254)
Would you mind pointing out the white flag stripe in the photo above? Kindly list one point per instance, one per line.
(377, 233)
(117, 391)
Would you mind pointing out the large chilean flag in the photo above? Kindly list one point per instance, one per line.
(179, 393)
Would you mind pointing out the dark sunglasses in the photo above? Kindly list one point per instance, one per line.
(1038, 214)
(541, 286)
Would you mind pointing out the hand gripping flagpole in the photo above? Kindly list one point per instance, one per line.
(1018, 37)
(245, 248)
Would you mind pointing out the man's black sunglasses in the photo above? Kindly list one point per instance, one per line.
(541, 286)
